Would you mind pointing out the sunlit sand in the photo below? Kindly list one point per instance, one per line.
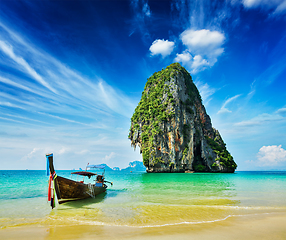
(257, 226)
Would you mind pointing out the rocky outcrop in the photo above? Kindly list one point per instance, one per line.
(172, 129)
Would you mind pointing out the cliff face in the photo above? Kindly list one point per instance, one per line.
(172, 128)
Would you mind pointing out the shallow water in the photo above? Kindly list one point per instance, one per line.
(143, 199)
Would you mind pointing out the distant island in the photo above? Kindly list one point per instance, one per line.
(172, 129)
(135, 166)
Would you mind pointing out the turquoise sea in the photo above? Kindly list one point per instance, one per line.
(142, 200)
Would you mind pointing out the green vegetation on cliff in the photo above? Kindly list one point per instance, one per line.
(224, 156)
(155, 98)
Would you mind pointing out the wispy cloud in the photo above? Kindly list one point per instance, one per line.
(146, 9)
(31, 154)
(64, 89)
(278, 115)
(42, 96)
(108, 157)
(26, 118)
(142, 14)
(13, 120)
(223, 109)
(281, 112)
(142, 8)
(64, 119)
(63, 150)
(9, 104)
(15, 84)
(205, 90)
(8, 50)
(276, 7)
(204, 14)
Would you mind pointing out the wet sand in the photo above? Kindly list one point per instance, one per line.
(254, 227)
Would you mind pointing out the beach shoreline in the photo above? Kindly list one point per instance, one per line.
(255, 226)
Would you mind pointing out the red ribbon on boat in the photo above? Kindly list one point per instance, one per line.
(51, 189)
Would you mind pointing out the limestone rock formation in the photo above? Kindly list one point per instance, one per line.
(172, 128)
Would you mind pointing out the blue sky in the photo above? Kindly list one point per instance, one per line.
(72, 73)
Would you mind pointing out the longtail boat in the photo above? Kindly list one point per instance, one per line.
(71, 190)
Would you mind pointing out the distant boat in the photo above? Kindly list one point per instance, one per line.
(71, 190)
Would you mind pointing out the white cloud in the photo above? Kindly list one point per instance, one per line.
(204, 45)
(223, 109)
(196, 63)
(162, 47)
(199, 63)
(202, 40)
(271, 155)
(184, 57)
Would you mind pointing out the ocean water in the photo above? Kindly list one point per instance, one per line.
(143, 200)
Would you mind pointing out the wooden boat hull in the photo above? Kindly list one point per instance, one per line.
(72, 190)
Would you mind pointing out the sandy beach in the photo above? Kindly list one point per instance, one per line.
(259, 226)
